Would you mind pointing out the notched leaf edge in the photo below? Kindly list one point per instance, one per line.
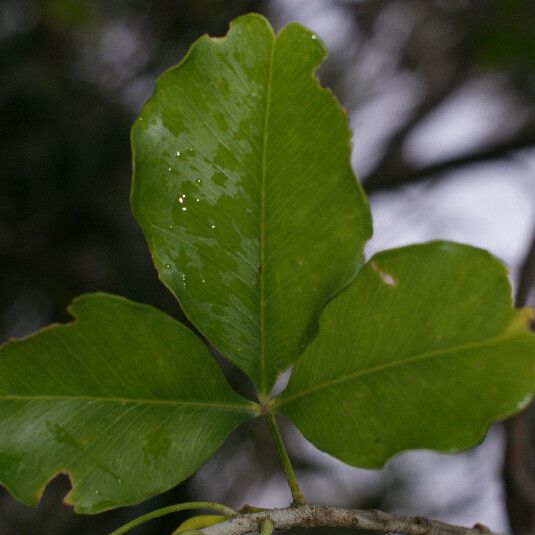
(33, 499)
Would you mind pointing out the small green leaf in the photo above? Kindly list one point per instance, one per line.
(244, 191)
(423, 350)
(198, 522)
(125, 400)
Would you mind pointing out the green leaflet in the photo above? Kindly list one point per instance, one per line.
(244, 191)
(198, 522)
(423, 350)
(125, 400)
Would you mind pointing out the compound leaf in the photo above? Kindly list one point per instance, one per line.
(125, 400)
(423, 350)
(244, 191)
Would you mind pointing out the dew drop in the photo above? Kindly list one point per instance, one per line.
(167, 266)
(97, 492)
(213, 226)
(197, 199)
(314, 36)
(169, 169)
(199, 181)
(170, 227)
(184, 208)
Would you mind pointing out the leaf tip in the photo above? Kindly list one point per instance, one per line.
(249, 18)
(309, 37)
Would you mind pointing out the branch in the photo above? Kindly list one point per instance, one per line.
(519, 480)
(526, 280)
(316, 516)
(392, 161)
(408, 175)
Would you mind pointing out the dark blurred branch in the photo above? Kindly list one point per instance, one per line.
(315, 516)
(389, 165)
(518, 466)
(526, 280)
(405, 174)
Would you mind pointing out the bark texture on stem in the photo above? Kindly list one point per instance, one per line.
(316, 516)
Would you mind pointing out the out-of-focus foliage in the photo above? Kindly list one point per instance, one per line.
(505, 39)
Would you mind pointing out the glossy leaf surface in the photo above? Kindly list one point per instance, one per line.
(244, 190)
(125, 400)
(423, 350)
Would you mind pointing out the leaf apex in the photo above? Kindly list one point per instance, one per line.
(253, 15)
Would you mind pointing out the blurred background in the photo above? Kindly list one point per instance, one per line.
(441, 99)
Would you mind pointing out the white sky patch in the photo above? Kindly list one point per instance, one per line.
(477, 114)
(329, 20)
(491, 206)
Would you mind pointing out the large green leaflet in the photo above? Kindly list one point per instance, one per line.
(245, 193)
(125, 400)
(423, 350)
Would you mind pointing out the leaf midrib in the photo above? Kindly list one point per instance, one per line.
(133, 401)
(415, 358)
(261, 318)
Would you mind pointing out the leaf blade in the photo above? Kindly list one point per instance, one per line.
(423, 367)
(106, 399)
(251, 227)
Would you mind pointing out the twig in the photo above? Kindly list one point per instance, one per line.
(315, 516)
(227, 511)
